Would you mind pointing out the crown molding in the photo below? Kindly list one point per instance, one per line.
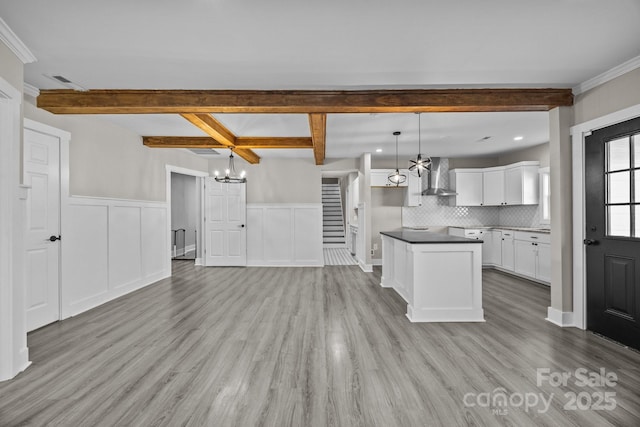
(31, 90)
(8, 37)
(609, 75)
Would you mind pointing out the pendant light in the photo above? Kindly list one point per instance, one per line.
(421, 164)
(230, 175)
(396, 177)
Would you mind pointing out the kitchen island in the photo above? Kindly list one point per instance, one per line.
(438, 275)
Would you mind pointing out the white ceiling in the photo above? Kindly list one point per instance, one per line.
(332, 44)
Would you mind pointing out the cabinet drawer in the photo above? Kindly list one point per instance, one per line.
(533, 237)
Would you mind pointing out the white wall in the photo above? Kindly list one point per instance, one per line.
(184, 207)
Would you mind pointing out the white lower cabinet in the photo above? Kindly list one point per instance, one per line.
(523, 252)
(533, 255)
(525, 258)
(508, 253)
(495, 257)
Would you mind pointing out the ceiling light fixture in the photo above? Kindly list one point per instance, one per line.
(420, 165)
(230, 175)
(396, 177)
(378, 150)
(518, 138)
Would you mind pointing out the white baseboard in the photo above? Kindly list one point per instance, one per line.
(560, 318)
(376, 261)
(199, 261)
(284, 265)
(367, 268)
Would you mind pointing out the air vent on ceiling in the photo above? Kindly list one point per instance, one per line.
(66, 82)
(207, 152)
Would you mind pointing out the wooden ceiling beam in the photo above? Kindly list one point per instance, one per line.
(212, 127)
(251, 143)
(216, 130)
(108, 101)
(318, 125)
(267, 142)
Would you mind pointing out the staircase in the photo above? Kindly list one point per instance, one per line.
(332, 221)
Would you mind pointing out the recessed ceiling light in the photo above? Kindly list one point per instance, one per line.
(518, 138)
(378, 150)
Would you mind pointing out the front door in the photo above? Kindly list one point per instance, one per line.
(42, 172)
(225, 219)
(612, 180)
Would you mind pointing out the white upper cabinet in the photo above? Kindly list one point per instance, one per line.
(468, 184)
(493, 187)
(380, 178)
(515, 184)
(414, 190)
(521, 183)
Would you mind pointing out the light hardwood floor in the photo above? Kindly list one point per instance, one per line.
(307, 347)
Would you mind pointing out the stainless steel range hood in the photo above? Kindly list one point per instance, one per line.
(434, 179)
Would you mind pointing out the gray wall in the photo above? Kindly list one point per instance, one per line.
(106, 160)
(277, 180)
(11, 68)
(184, 206)
(615, 95)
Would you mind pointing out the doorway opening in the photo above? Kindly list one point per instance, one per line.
(185, 207)
(184, 216)
(339, 217)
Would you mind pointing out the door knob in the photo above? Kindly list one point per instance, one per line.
(242, 226)
(589, 242)
(54, 238)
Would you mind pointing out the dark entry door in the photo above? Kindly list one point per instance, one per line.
(612, 165)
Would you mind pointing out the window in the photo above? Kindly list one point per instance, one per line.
(622, 175)
(545, 196)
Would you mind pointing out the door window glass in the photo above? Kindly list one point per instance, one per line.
(622, 176)
(618, 154)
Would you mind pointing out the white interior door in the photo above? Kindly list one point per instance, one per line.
(42, 244)
(225, 220)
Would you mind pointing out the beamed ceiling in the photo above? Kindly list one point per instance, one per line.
(325, 79)
(198, 107)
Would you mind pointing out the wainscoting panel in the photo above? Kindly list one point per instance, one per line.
(284, 235)
(125, 263)
(110, 247)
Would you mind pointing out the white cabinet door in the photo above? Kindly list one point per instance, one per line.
(468, 185)
(487, 246)
(414, 190)
(543, 267)
(380, 178)
(493, 187)
(496, 247)
(525, 258)
(521, 185)
(508, 251)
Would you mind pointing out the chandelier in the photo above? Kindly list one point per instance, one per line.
(421, 164)
(396, 177)
(230, 175)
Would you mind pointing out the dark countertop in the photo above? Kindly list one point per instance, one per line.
(419, 237)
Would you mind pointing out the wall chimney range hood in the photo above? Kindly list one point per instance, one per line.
(434, 179)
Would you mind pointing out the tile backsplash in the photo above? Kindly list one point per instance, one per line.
(436, 211)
